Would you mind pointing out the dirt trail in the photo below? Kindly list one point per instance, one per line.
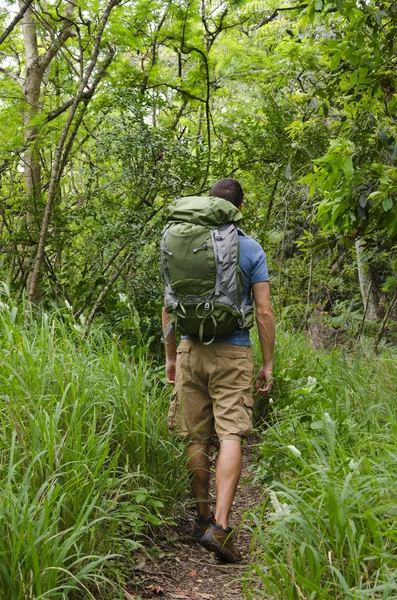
(187, 571)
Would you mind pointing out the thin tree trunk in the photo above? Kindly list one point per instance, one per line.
(366, 284)
(36, 66)
(31, 92)
(271, 202)
(360, 329)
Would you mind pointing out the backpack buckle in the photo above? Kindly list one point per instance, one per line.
(207, 306)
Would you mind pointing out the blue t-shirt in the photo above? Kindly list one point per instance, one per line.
(254, 268)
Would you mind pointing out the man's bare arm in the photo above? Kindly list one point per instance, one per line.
(266, 330)
(170, 348)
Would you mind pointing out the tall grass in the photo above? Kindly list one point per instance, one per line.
(328, 525)
(86, 464)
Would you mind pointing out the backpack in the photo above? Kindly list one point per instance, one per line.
(200, 265)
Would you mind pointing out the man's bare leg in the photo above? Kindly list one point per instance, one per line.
(199, 464)
(228, 470)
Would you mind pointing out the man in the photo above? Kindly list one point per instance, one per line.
(213, 388)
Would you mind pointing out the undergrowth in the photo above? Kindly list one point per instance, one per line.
(328, 526)
(86, 464)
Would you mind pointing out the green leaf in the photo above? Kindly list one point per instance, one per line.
(312, 189)
(362, 213)
(157, 503)
(307, 178)
(375, 194)
(153, 519)
(288, 171)
(140, 498)
(335, 60)
(126, 324)
(353, 78)
(339, 6)
(363, 199)
(382, 136)
(337, 211)
(347, 166)
(363, 73)
(387, 203)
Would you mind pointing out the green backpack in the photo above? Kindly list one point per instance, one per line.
(200, 265)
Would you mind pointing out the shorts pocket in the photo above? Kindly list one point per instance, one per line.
(183, 349)
(235, 369)
(183, 361)
(246, 406)
(173, 411)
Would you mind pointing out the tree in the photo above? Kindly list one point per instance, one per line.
(55, 27)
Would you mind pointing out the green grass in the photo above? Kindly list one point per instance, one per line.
(328, 525)
(86, 464)
(87, 467)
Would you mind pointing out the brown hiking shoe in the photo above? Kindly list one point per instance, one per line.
(220, 541)
(201, 525)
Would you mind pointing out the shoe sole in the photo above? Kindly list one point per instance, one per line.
(209, 542)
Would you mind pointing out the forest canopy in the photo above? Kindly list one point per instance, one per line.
(109, 110)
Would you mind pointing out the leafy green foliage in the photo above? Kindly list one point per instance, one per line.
(284, 98)
(327, 528)
(86, 462)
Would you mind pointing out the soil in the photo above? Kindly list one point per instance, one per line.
(184, 570)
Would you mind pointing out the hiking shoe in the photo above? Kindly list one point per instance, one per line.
(201, 525)
(220, 541)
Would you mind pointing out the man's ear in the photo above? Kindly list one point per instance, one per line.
(240, 207)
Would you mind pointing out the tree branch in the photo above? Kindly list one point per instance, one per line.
(265, 20)
(16, 20)
(16, 78)
(105, 290)
(45, 60)
(177, 89)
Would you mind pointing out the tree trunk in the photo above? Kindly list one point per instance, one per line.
(32, 168)
(64, 146)
(31, 92)
(36, 66)
(366, 284)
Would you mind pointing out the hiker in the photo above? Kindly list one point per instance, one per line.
(212, 372)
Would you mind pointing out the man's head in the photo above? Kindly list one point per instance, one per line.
(228, 189)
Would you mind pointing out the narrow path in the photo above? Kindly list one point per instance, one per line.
(187, 571)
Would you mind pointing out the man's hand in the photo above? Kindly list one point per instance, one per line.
(264, 381)
(170, 371)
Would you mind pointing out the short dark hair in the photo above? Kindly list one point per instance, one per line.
(228, 189)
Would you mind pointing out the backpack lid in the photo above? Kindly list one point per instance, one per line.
(203, 210)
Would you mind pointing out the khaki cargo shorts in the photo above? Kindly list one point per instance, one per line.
(213, 389)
